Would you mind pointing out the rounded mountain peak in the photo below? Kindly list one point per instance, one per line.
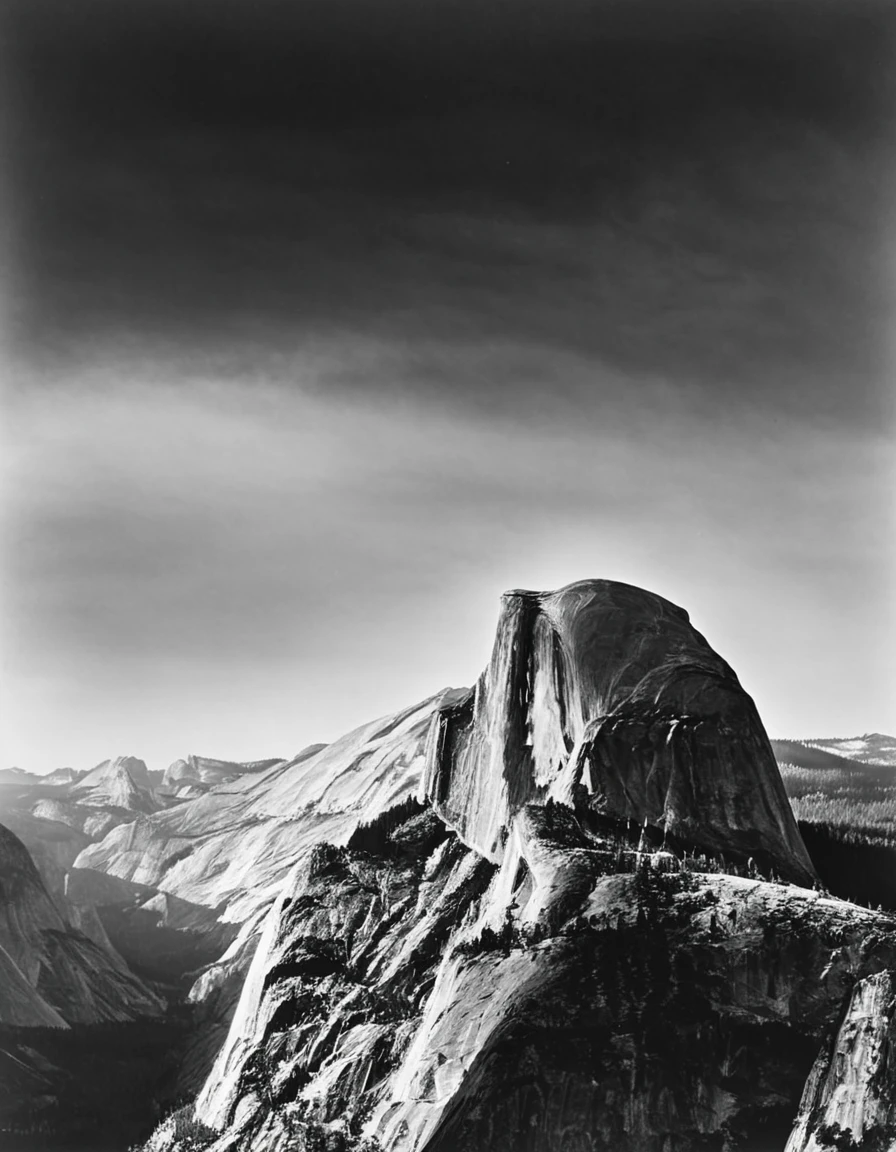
(604, 696)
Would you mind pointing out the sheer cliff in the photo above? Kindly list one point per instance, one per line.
(410, 994)
(593, 927)
(183, 892)
(605, 695)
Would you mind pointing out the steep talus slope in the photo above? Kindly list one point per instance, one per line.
(605, 690)
(850, 1096)
(73, 974)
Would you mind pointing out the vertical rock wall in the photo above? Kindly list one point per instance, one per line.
(604, 695)
(850, 1096)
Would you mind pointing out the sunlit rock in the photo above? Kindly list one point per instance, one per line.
(604, 696)
(850, 1096)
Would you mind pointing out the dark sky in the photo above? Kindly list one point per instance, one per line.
(324, 322)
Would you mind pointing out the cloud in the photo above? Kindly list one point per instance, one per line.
(704, 198)
(323, 331)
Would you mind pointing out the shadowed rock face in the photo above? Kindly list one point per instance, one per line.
(604, 696)
(71, 974)
(179, 887)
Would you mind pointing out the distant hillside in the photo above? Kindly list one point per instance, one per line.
(827, 787)
(872, 748)
(846, 809)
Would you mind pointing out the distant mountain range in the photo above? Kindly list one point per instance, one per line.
(872, 748)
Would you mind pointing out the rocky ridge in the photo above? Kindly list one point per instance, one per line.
(230, 850)
(566, 940)
(123, 783)
(566, 909)
(204, 771)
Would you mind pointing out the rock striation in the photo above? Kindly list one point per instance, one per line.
(850, 1096)
(188, 887)
(53, 846)
(410, 994)
(21, 1005)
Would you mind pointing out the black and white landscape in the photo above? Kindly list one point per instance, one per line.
(569, 907)
(353, 351)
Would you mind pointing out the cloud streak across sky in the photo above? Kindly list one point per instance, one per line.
(326, 327)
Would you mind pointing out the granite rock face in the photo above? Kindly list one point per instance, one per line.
(69, 972)
(187, 888)
(850, 1096)
(409, 994)
(90, 803)
(21, 1005)
(202, 770)
(123, 784)
(564, 942)
(604, 696)
(53, 846)
(230, 850)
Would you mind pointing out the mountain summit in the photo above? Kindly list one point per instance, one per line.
(121, 783)
(604, 697)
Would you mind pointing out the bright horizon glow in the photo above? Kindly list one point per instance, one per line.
(160, 603)
(305, 362)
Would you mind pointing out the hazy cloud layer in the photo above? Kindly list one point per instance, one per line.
(328, 322)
